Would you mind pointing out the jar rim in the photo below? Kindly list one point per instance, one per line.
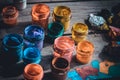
(64, 40)
(80, 27)
(62, 8)
(13, 13)
(55, 29)
(34, 66)
(29, 50)
(44, 13)
(13, 37)
(32, 36)
(66, 62)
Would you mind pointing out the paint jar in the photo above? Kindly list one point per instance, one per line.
(63, 47)
(31, 55)
(20, 4)
(79, 32)
(59, 66)
(10, 15)
(62, 14)
(84, 51)
(12, 46)
(54, 30)
(33, 72)
(33, 36)
(40, 15)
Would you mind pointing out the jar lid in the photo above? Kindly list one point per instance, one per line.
(60, 64)
(34, 33)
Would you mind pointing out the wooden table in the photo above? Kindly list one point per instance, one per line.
(80, 11)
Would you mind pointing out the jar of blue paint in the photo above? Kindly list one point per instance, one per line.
(31, 55)
(33, 36)
(12, 48)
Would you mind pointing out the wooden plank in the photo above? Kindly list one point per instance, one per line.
(56, 1)
(48, 1)
(80, 12)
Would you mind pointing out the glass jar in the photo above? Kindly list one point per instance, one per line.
(10, 15)
(62, 14)
(54, 30)
(20, 4)
(84, 51)
(12, 48)
(33, 72)
(63, 47)
(79, 32)
(59, 66)
(40, 14)
(31, 55)
(33, 36)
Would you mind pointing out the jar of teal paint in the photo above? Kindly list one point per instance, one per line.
(12, 48)
(33, 36)
(54, 30)
(20, 4)
(31, 55)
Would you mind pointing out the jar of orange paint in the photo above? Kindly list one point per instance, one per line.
(33, 72)
(10, 15)
(79, 32)
(84, 51)
(63, 47)
(40, 14)
(62, 14)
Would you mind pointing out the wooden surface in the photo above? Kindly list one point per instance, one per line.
(80, 11)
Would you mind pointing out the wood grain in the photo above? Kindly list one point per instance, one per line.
(80, 12)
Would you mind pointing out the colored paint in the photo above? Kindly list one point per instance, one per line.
(105, 65)
(62, 14)
(33, 72)
(12, 45)
(86, 71)
(55, 30)
(73, 75)
(40, 14)
(79, 32)
(60, 66)
(63, 46)
(31, 55)
(84, 51)
(10, 15)
(114, 33)
(33, 36)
